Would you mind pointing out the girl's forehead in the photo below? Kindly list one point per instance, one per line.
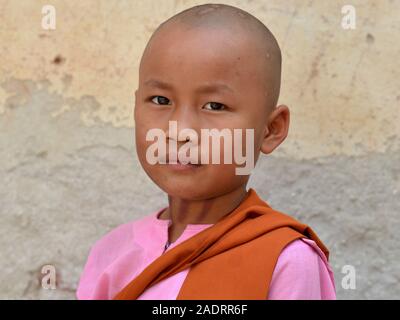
(197, 56)
(247, 60)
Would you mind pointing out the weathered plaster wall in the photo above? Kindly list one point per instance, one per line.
(68, 166)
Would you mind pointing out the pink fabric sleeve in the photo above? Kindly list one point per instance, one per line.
(302, 272)
(110, 263)
(87, 281)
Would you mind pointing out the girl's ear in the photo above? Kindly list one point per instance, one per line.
(276, 129)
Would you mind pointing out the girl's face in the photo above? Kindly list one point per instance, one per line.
(201, 80)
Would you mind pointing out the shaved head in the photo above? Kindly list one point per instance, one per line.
(237, 24)
(210, 67)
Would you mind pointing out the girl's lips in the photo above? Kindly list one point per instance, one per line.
(180, 166)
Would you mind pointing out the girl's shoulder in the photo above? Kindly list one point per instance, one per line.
(302, 272)
(302, 251)
(119, 243)
(124, 234)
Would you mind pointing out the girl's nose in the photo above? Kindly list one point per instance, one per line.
(183, 124)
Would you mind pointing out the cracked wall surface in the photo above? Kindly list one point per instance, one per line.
(69, 170)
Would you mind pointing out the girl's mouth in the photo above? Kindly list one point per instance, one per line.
(177, 165)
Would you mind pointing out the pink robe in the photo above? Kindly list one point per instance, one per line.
(302, 271)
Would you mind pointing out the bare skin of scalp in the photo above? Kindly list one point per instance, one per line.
(220, 16)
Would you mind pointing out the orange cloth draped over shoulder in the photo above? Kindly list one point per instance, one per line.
(233, 259)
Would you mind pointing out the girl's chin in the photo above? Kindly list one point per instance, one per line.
(186, 190)
(195, 190)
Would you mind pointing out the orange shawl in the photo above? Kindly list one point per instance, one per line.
(233, 259)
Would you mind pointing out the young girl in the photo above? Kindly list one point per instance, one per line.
(209, 67)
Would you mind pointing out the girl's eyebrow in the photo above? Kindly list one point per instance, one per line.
(206, 88)
(158, 84)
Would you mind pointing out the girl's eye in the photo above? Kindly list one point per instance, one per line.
(160, 100)
(214, 106)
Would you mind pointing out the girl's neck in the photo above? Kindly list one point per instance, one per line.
(183, 212)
